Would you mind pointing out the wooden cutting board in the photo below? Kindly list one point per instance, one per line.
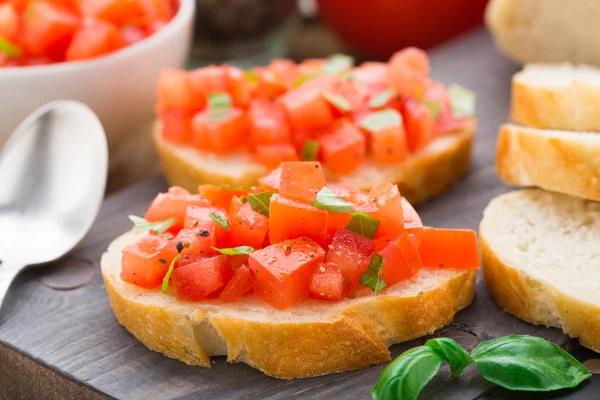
(59, 339)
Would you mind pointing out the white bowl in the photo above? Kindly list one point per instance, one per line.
(119, 87)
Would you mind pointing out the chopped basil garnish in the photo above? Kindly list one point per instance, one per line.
(338, 101)
(328, 200)
(235, 250)
(165, 283)
(379, 120)
(220, 219)
(251, 77)
(310, 150)
(305, 78)
(434, 106)
(382, 98)
(157, 227)
(9, 49)
(462, 100)
(219, 105)
(363, 225)
(337, 64)
(372, 276)
(260, 202)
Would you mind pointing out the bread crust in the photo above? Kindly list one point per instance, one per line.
(560, 163)
(572, 107)
(423, 175)
(524, 296)
(332, 337)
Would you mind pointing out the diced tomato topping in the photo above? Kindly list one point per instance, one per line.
(389, 144)
(239, 88)
(267, 124)
(48, 29)
(270, 85)
(386, 198)
(282, 272)
(290, 219)
(158, 10)
(328, 283)
(343, 147)
(352, 253)
(116, 11)
(197, 281)
(285, 70)
(449, 248)
(240, 284)
(10, 22)
(273, 155)
(209, 80)
(412, 221)
(174, 203)
(132, 34)
(174, 90)
(371, 73)
(248, 227)
(409, 71)
(199, 219)
(220, 196)
(419, 124)
(306, 108)
(146, 261)
(310, 66)
(301, 180)
(400, 260)
(223, 136)
(94, 39)
(271, 182)
(177, 125)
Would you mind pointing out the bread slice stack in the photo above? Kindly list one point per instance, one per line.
(541, 248)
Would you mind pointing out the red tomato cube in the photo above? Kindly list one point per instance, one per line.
(220, 196)
(119, 12)
(419, 124)
(209, 80)
(412, 221)
(290, 219)
(199, 219)
(389, 145)
(240, 284)
(177, 125)
(267, 124)
(158, 10)
(286, 70)
(174, 91)
(93, 39)
(282, 272)
(10, 22)
(48, 29)
(270, 86)
(449, 248)
(174, 203)
(132, 34)
(271, 182)
(386, 198)
(328, 283)
(409, 71)
(146, 261)
(196, 241)
(238, 86)
(342, 147)
(352, 253)
(272, 155)
(197, 281)
(248, 227)
(400, 260)
(306, 108)
(223, 136)
(301, 181)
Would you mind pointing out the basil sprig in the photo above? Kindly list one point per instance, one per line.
(328, 200)
(382, 98)
(9, 49)
(516, 362)
(220, 219)
(338, 63)
(378, 120)
(372, 276)
(165, 283)
(363, 224)
(157, 227)
(310, 150)
(338, 101)
(434, 107)
(219, 105)
(234, 251)
(260, 202)
(462, 101)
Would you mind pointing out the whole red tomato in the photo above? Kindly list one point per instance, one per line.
(378, 28)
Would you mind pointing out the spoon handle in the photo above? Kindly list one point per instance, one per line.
(8, 272)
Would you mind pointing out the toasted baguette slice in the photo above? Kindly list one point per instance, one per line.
(557, 96)
(422, 175)
(541, 260)
(546, 31)
(560, 161)
(309, 339)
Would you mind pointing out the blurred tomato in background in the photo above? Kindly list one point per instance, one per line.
(378, 28)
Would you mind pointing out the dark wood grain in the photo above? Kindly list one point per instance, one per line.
(70, 334)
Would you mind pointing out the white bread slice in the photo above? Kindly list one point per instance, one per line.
(309, 339)
(546, 30)
(557, 96)
(423, 175)
(560, 161)
(541, 260)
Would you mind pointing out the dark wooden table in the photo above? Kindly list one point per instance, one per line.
(59, 339)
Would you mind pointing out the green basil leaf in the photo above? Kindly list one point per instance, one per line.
(220, 219)
(328, 200)
(233, 251)
(382, 98)
(9, 49)
(434, 106)
(260, 202)
(372, 276)
(363, 224)
(462, 101)
(219, 105)
(450, 351)
(251, 77)
(379, 120)
(337, 64)
(339, 102)
(158, 226)
(310, 150)
(407, 375)
(165, 283)
(305, 78)
(521, 362)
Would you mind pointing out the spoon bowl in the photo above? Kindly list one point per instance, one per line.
(52, 180)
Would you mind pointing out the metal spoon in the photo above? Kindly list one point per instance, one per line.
(52, 179)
